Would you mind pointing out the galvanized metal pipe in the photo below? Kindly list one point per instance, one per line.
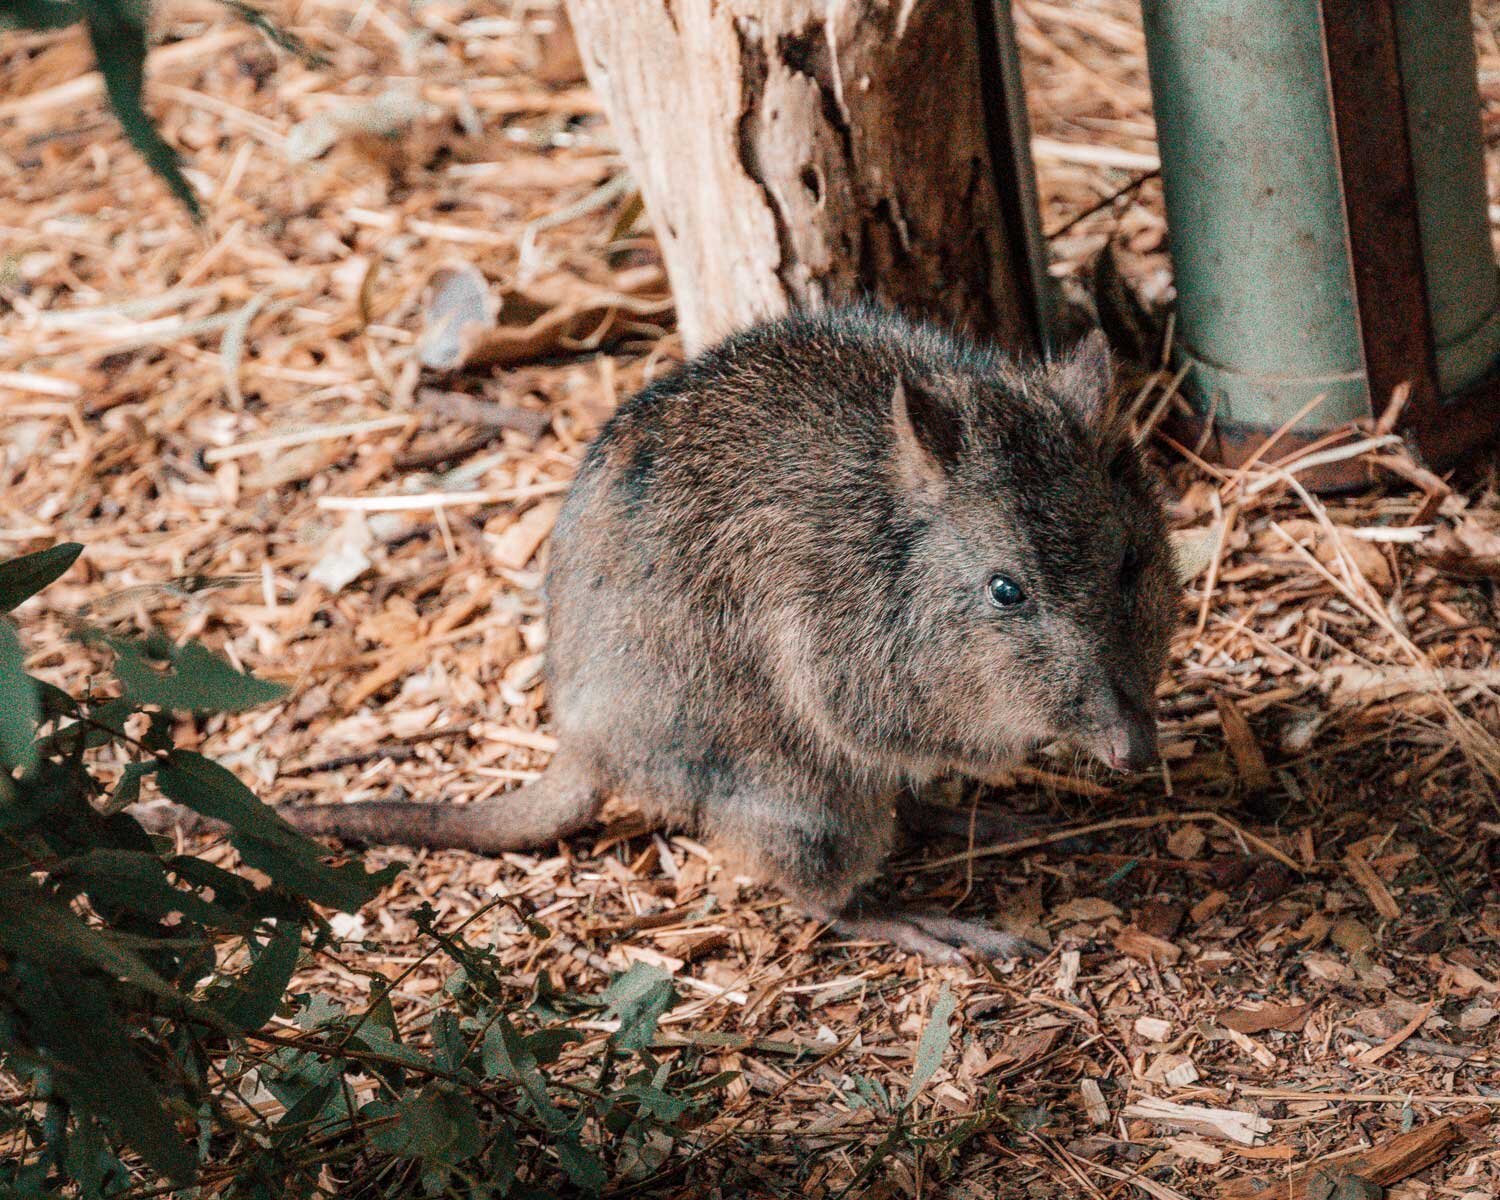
(1265, 299)
(1266, 313)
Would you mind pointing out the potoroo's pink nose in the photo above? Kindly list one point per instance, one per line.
(1127, 741)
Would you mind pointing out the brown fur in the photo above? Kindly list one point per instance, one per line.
(768, 612)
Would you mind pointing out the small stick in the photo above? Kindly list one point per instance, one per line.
(1265, 447)
(440, 499)
(1085, 155)
(1063, 783)
(484, 413)
(1321, 459)
(1269, 1093)
(82, 90)
(41, 385)
(1405, 535)
(1372, 1056)
(1420, 1045)
(1400, 394)
(1221, 543)
(1123, 190)
(261, 128)
(452, 452)
(397, 750)
(1063, 835)
(301, 437)
(1144, 429)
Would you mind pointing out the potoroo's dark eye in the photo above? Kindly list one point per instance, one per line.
(1005, 592)
(1130, 567)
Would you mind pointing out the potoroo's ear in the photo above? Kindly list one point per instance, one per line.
(927, 434)
(1082, 377)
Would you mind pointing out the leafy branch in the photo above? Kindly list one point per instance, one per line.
(118, 33)
(144, 993)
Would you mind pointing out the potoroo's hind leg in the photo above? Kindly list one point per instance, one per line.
(564, 800)
(826, 867)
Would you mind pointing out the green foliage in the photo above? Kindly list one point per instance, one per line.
(39, 14)
(188, 679)
(22, 578)
(638, 998)
(18, 717)
(137, 984)
(936, 1035)
(118, 33)
(932, 1044)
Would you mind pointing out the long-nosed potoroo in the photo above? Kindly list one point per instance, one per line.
(814, 567)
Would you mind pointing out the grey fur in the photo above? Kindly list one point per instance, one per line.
(768, 612)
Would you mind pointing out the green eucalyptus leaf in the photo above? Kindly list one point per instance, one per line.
(128, 789)
(381, 1039)
(547, 1044)
(22, 578)
(449, 1047)
(20, 706)
(289, 42)
(196, 681)
(312, 1104)
(112, 714)
(661, 1105)
(234, 893)
(90, 1061)
(40, 931)
(437, 1125)
(583, 1169)
(54, 701)
(39, 14)
(264, 840)
(934, 1041)
(252, 997)
(117, 31)
(638, 998)
(506, 1056)
(99, 1172)
(135, 881)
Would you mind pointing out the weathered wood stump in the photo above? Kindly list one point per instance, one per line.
(796, 152)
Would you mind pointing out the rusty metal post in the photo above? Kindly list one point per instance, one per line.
(1265, 300)
(1403, 77)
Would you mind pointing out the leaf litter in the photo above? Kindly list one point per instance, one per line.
(1335, 709)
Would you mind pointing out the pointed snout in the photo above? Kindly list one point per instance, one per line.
(1127, 733)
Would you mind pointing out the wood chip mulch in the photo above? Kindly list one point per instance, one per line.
(1277, 962)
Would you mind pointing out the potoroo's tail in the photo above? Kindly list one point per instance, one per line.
(559, 804)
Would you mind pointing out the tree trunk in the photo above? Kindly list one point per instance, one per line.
(793, 153)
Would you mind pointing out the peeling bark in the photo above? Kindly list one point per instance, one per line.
(797, 152)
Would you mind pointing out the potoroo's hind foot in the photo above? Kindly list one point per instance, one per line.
(563, 801)
(929, 932)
